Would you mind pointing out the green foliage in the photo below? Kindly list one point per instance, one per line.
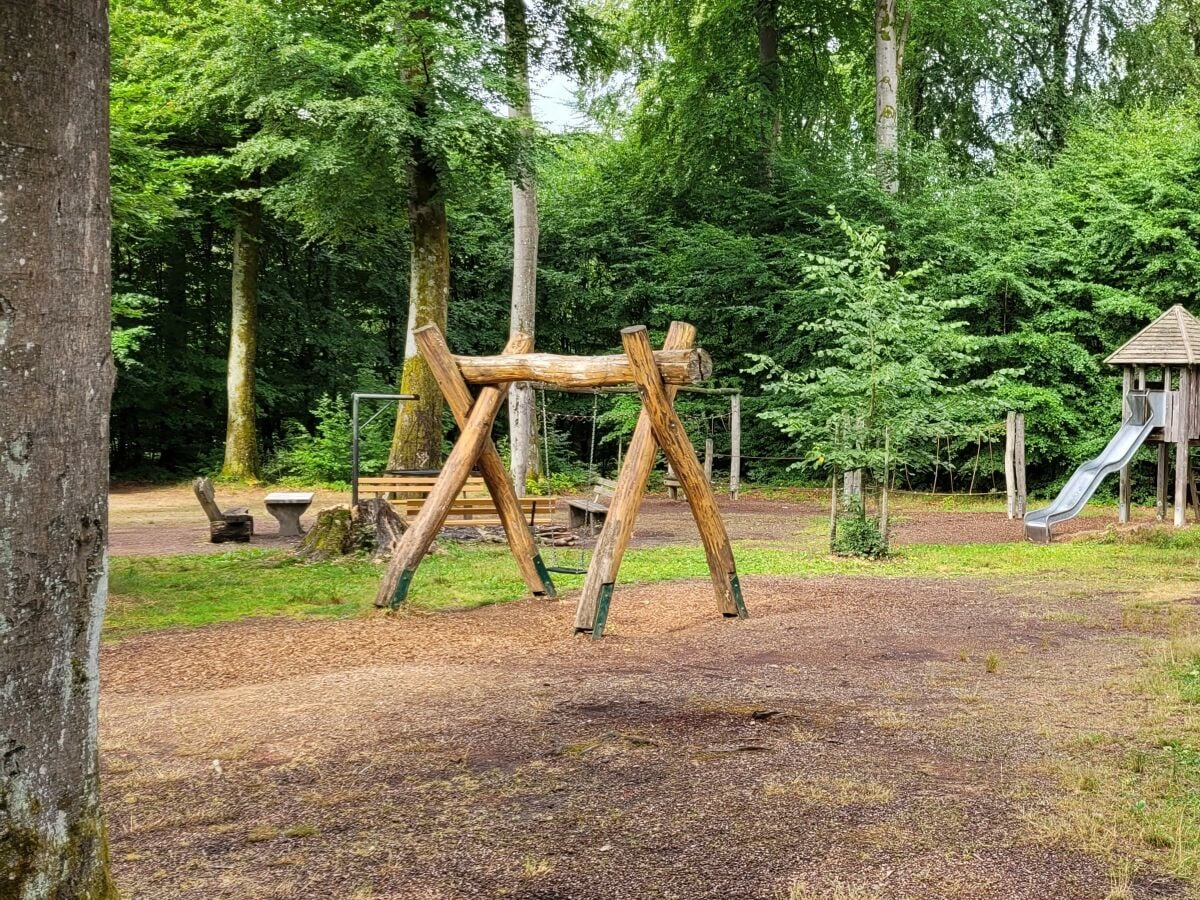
(322, 456)
(882, 386)
(858, 534)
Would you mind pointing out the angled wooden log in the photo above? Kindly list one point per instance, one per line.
(432, 344)
(688, 366)
(428, 522)
(591, 613)
(672, 437)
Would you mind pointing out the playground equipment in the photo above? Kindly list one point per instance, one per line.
(656, 375)
(1161, 403)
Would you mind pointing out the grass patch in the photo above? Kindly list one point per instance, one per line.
(150, 593)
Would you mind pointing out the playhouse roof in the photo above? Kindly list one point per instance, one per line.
(1172, 339)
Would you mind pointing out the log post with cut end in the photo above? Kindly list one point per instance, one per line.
(622, 510)
(458, 397)
(672, 437)
(688, 366)
(417, 540)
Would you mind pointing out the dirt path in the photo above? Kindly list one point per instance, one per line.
(155, 521)
(847, 733)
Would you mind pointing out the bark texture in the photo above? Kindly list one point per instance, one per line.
(241, 438)
(56, 376)
(417, 440)
(890, 35)
(521, 412)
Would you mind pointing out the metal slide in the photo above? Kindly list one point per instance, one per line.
(1147, 411)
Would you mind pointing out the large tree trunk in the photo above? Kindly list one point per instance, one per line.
(56, 375)
(241, 440)
(521, 415)
(889, 50)
(417, 440)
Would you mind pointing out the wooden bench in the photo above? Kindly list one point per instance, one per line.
(234, 524)
(476, 512)
(414, 484)
(583, 511)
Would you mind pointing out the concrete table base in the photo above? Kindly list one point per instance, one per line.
(287, 508)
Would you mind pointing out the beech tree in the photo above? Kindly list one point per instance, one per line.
(56, 375)
(522, 423)
(890, 37)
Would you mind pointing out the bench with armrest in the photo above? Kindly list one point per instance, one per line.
(233, 524)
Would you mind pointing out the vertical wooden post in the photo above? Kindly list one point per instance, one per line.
(673, 438)
(1019, 466)
(833, 509)
(1125, 491)
(708, 459)
(614, 537)
(437, 356)
(1160, 502)
(1010, 472)
(1181, 426)
(884, 487)
(415, 543)
(735, 445)
(672, 483)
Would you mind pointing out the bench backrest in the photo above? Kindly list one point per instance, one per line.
(603, 487)
(412, 484)
(481, 510)
(203, 489)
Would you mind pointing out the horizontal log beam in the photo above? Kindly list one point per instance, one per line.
(677, 366)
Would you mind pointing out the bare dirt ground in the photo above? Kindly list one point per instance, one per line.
(153, 521)
(848, 736)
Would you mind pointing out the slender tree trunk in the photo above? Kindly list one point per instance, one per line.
(521, 417)
(766, 15)
(890, 35)
(241, 438)
(56, 375)
(417, 440)
(1060, 23)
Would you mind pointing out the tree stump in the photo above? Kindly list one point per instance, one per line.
(369, 526)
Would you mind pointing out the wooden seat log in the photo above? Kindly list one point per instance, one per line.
(690, 366)
(592, 610)
(672, 437)
(475, 434)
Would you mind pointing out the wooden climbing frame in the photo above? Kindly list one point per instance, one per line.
(657, 375)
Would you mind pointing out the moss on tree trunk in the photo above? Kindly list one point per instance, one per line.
(241, 440)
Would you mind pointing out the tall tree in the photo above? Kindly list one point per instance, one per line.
(56, 374)
(521, 418)
(417, 441)
(241, 435)
(890, 38)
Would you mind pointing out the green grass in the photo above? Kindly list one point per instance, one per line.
(150, 593)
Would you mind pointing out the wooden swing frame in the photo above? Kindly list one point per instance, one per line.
(657, 375)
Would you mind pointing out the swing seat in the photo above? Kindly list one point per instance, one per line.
(566, 570)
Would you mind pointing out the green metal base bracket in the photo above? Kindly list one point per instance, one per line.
(736, 587)
(402, 588)
(544, 574)
(606, 592)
